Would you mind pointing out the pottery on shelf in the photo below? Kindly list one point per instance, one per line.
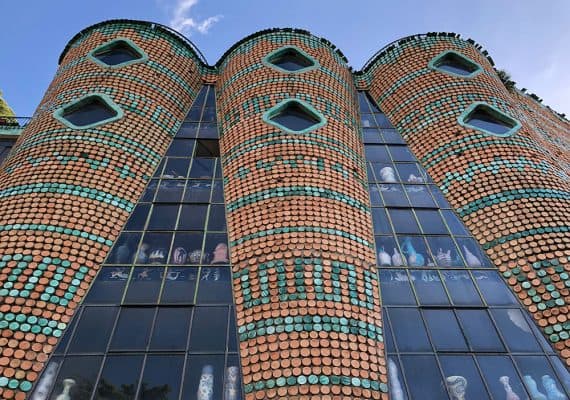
(220, 254)
(142, 255)
(157, 257)
(397, 260)
(231, 385)
(396, 391)
(471, 259)
(442, 258)
(206, 384)
(67, 385)
(552, 392)
(415, 259)
(195, 257)
(510, 394)
(532, 387)
(387, 174)
(179, 255)
(384, 258)
(456, 386)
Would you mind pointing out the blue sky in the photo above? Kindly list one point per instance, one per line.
(529, 39)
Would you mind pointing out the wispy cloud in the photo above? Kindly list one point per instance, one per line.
(183, 22)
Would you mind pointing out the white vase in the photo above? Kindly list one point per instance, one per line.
(397, 260)
(442, 258)
(396, 391)
(533, 388)
(472, 260)
(456, 387)
(384, 258)
(510, 394)
(67, 385)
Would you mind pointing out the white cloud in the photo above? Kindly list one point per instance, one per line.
(182, 22)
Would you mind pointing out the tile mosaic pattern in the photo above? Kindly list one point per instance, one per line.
(299, 222)
(512, 193)
(67, 193)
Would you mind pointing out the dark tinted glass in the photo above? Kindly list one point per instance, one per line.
(124, 249)
(181, 148)
(396, 288)
(461, 370)
(482, 118)
(78, 374)
(209, 329)
(495, 291)
(403, 220)
(119, 379)
(193, 217)
(479, 330)
(179, 285)
(431, 222)
(501, 377)
(428, 287)
(163, 217)
(425, 381)
(138, 218)
(204, 374)
(291, 60)
(171, 329)
(295, 117)
(458, 65)
(207, 147)
(514, 326)
(144, 285)
(133, 329)
(215, 286)
(411, 334)
(109, 286)
(88, 111)
(117, 53)
(161, 378)
(92, 332)
(444, 330)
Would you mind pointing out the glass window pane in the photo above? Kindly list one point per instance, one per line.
(403, 220)
(176, 168)
(78, 375)
(562, 371)
(93, 330)
(208, 131)
(480, 331)
(410, 173)
(415, 250)
(515, 330)
(389, 245)
(209, 327)
(494, 290)
(393, 195)
(408, 330)
(367, 120)
(148, 194)
(119, 379)
(371, 135)
(179, 286)
(215, 286)
(501, 377)
(124, 249)
(374, 193)
(387, 328)
(232, 379)
(163, 217)
(207, 148)
(539, 378)
(461, 288)
(133, 329)
(193, 217)
(170, 191)
(154, 248)
(455, 225)
(472, 253)
(217, 218)
(419, 196)
(217, 192)
(401, 153)
(137, 219)
(161, 378)
(216, 248)
(187, 130)
(202, 168)
(232, 332)
(396, 380)
(380, 221)
(195, 113)
(392, 136)
(171, 328)
(385, 172)
(382, 121)
(197, 191)
(428, 287)
(445, 251)
(431, 222)
(462, 378)
(395, 287)
(376, 153)
(444, 330)
(144, 285)
(181, 148)
(204, 374)
(423, 377)
(109, 286)
(187, 248)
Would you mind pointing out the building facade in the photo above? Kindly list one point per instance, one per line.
(278, 225)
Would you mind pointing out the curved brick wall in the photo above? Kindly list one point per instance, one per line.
(65, 194)
(307, 300)
(512, 192)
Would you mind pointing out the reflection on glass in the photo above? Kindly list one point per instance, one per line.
(161, 377)
(539, 378)
(120, 377)
(397, 391)
(393, 195)
(419, 196)
(144, 285)
(109, 285)
(215, 286)
(513, 325)
(423, 377)
(209, 329)
(133, 329)
(93, 330)
(404, 221)
(124, 248)
(388, 244)
(444, 251)
(216, 248)
(431, 222)
(428, 287)
(463, 366)
(444, 330)
(472, 254)
(170, 190)
(76, 377)
(480, 331)
(495, 291)
(202, 168)
(461, 288)
(411, 334)
(375, 198)
(395, 287)
(179, 285)
(501, 377)
(197, 191)
(163, 217)
(415, 250)
(176, 168)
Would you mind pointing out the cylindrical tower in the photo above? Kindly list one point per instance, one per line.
(482, 145)
(307, 299)
(121, 91)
